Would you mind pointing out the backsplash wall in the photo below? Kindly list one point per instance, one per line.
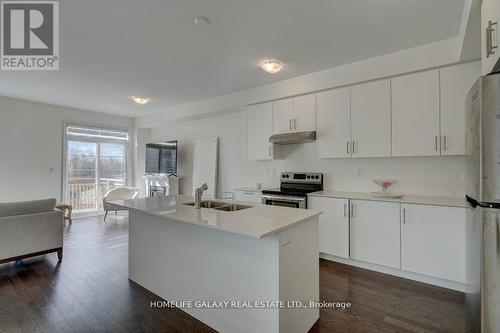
(440, 176)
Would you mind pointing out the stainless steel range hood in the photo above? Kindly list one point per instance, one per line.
(291, 138)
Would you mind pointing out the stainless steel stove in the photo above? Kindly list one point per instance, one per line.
(294, 187)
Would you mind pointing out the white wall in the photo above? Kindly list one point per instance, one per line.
(31, 141)
(440, 176)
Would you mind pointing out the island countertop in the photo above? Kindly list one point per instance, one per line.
(257, 221)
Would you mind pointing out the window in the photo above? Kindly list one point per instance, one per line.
(95, 162)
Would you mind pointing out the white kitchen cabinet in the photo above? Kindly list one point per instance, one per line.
(282, 116)
(371, 119)
(375, 232)
(296, 114)
(455, 82)
(490, 15)
(259, 129)
(333, 225)
(433, 241)
(415, 114)
(248, 196)
(334, 123)
(304, 112)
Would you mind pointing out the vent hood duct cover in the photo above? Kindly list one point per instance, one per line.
(295, 137)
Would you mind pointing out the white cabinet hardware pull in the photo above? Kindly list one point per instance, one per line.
(295, 122)
(436, 143)
(345, 210)
(270, 151)
(347, 147)
(489, 39)
(290, 124)
(404, 215)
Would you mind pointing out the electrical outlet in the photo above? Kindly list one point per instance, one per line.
(284, 240)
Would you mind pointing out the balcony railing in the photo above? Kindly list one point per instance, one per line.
(83, 196)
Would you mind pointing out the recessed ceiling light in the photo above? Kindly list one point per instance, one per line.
(271, 66)
(141, 99)
(201, 21)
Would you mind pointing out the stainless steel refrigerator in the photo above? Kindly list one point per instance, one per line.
(483, 195)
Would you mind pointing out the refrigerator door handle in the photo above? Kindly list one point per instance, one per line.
(497, 230)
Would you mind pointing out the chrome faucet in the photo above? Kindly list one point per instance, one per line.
(197, 195)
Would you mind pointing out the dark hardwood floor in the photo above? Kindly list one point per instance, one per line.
(89, 292)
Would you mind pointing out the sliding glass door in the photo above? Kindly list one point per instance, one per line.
(96, 162)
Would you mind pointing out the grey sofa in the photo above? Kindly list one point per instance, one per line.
(30, 228)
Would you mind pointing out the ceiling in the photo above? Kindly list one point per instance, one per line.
(113, 49)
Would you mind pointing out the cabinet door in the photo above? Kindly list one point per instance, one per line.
(333, 225)
(415, 114)
(490, 13)
(433, 241)
(259, 129)
(334, 124)
(371, 119)
(456, 81)
(304, 113)
(282, 116)
(375, 232)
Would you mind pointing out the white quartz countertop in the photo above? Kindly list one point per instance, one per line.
(410, 199)
(257, 221)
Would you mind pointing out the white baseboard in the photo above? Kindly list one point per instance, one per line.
(397, 272)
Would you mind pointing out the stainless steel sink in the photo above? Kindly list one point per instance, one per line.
(233, 208)
(223, 206)
(208, 204)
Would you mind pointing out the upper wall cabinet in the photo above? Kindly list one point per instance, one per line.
(297, 114)
(455, 84)
(371, 119)
(283, 116)
(259, 129)
(490, 52)
(304, 111)
(415, 114)
(334, 123)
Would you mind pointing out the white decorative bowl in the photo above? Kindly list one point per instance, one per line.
(385, 183)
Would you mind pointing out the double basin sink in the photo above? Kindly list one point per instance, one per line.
(222, 206)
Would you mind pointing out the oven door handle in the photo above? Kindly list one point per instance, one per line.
(282, 198)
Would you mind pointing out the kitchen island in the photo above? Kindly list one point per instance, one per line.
(249, 270)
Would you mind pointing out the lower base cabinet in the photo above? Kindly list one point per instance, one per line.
(433, 241)
(333, 225)
(375, 232)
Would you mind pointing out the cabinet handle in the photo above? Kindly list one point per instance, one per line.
(489, 39)
(352, 210)
(295, 123)
(347, 147)
(444, 142)
(354, 150)
(404, 215)
(345, 209)
(270, 151)
(290, 123)
(436, 142)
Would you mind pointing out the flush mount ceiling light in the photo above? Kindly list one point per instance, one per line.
(201, 21)
(271, 66)
(140, 99)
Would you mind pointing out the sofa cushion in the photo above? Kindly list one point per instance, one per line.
(27, 207)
